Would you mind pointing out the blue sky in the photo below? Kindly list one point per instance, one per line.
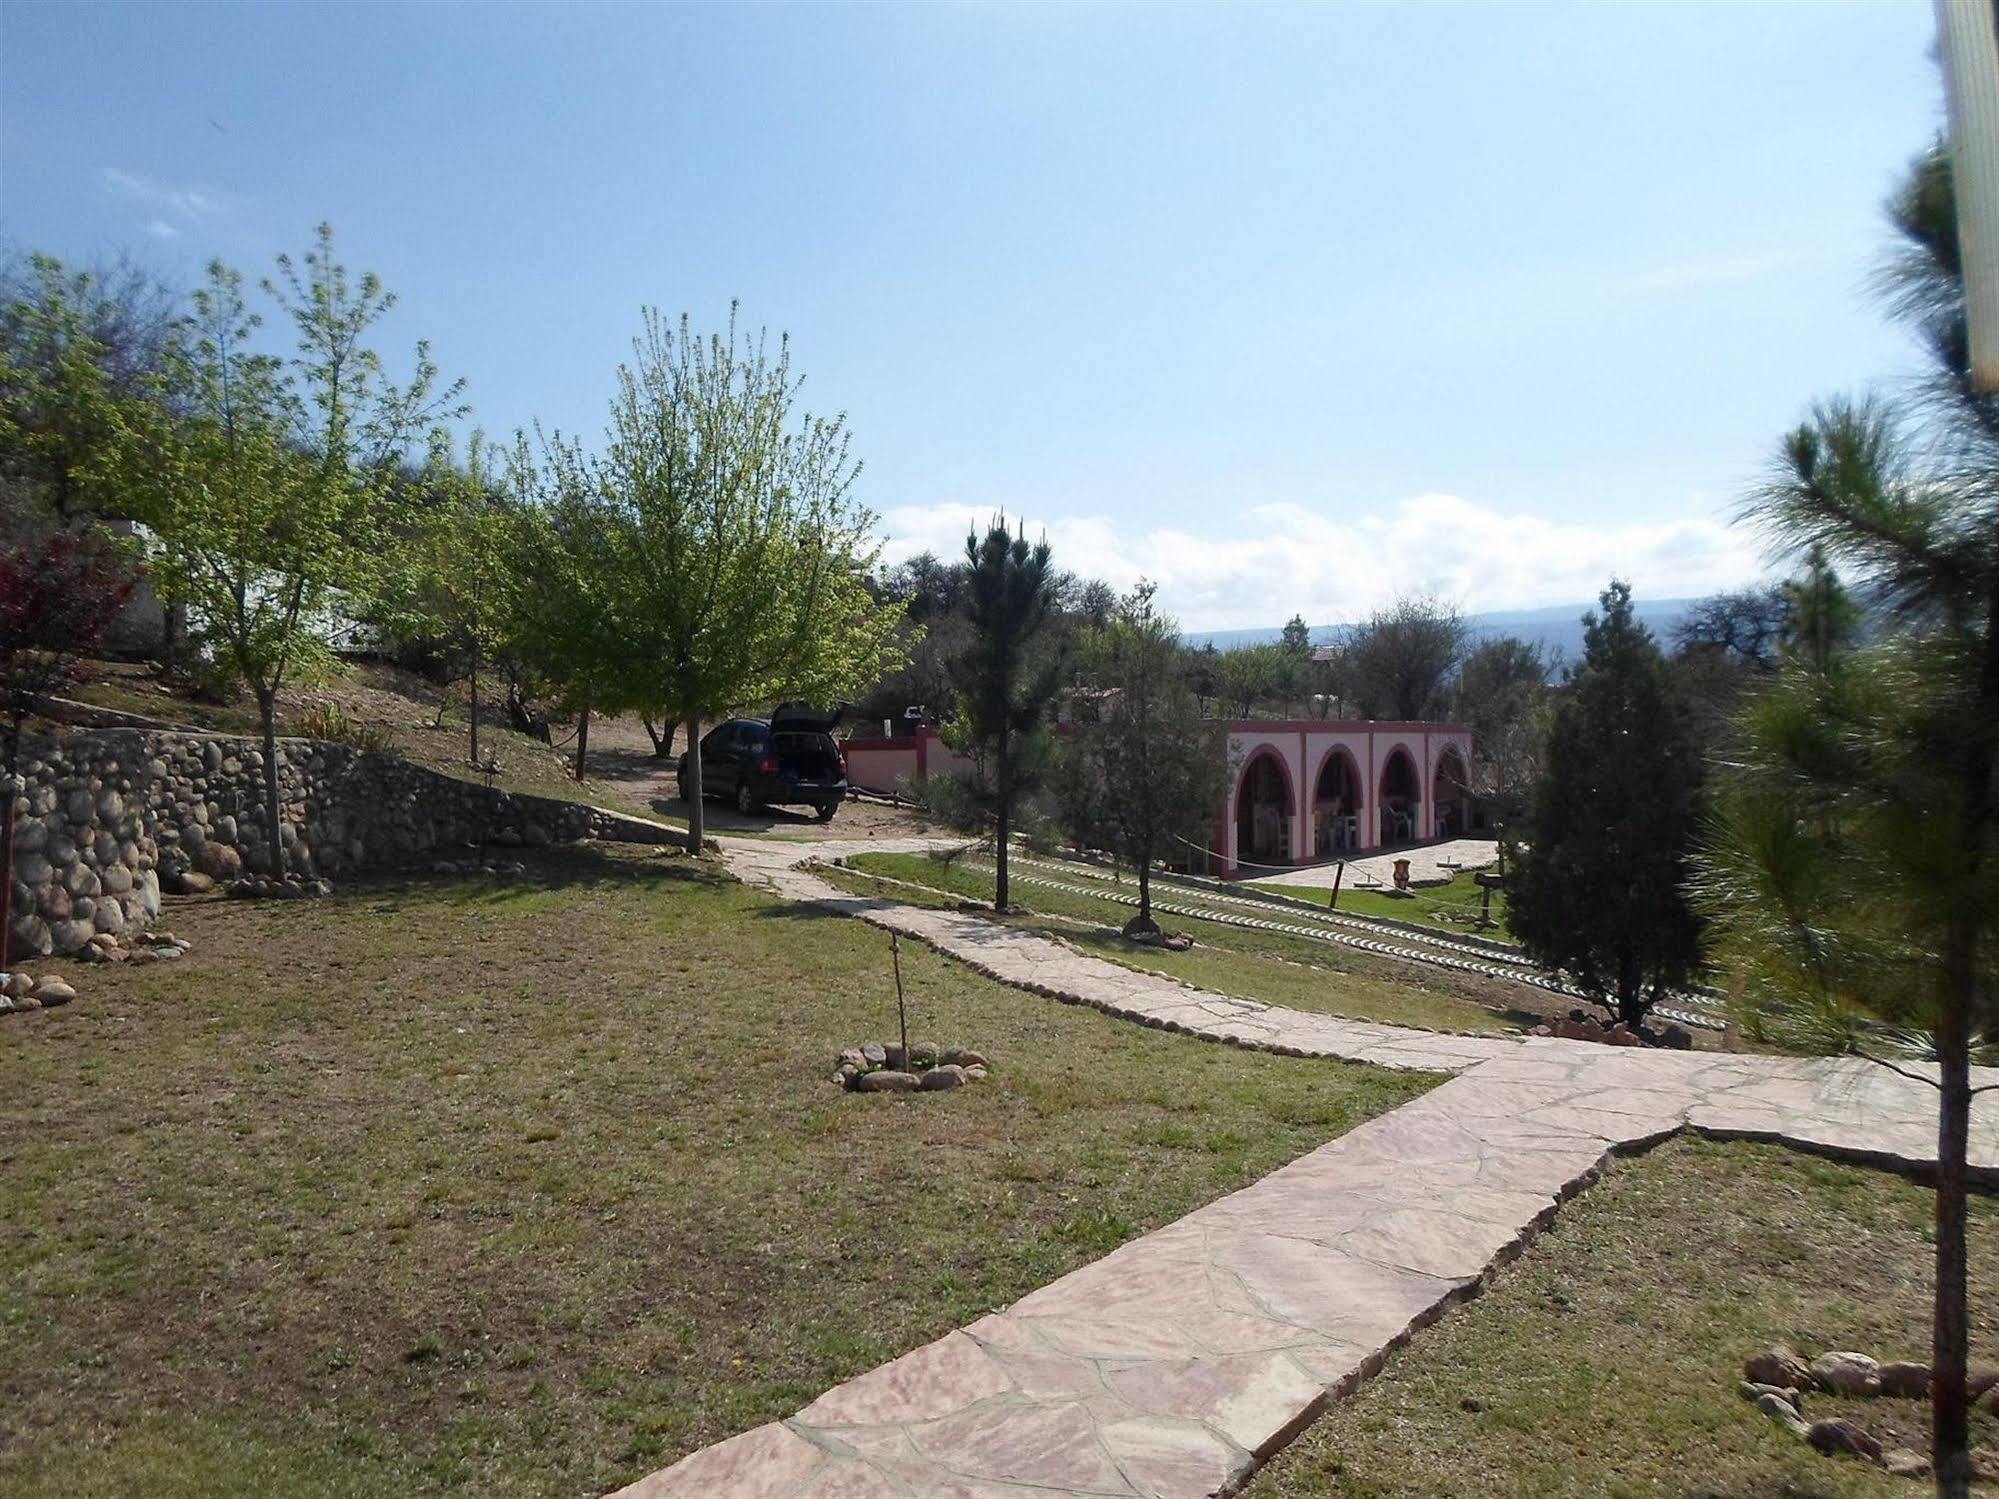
(1290, 308)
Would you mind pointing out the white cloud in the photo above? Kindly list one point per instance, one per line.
(1265, 563)
(169, 203)
(161, 229)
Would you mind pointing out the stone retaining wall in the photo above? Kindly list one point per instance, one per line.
(112, 813)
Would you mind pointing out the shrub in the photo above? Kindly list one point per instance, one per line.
(325, 721)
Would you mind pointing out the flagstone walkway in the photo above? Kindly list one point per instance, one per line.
(1175, 1364)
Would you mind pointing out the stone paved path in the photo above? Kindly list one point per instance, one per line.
(1178, 1362)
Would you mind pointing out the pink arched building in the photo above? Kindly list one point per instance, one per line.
(1313, 789)
(1300, 791)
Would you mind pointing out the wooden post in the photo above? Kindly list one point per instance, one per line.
(1339, 873)
(901, 1010)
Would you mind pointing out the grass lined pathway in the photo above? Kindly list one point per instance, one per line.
(1174, 1366)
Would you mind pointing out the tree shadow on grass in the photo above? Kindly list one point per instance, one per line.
(632, 868)
(838, 908)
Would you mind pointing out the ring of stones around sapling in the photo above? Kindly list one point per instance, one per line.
(880, 1067)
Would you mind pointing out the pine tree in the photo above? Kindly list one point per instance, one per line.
(1854, 877)
(1008, 676)
(1599, 892)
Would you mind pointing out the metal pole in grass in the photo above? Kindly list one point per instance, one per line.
(901, 1010)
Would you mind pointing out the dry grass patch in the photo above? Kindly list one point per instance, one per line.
(470, 1188)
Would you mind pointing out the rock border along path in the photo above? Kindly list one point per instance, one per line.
(1173, 1366)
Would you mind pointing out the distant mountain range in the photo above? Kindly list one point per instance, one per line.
(1557, 629)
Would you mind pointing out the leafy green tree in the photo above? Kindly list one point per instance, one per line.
(265, 480)
(255, 534)
(1600, 889)
(739, 560)
(455, 580)
(55, 403)
(1399, 664)
(1009, 674)
(1156, 763)
(1297, 637)
(73, 343)
(1254, 676)
(1854, 875)
(1501, 694)
(343, 406)
(564, 635)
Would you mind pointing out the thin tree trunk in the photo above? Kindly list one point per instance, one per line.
(1950, 1341)
(1950, 1331)
(1004, 827)
(582, 740)
(1145, 894)
(267, 706)
(697, 826)
(662, 737)
(173, 634)
(472, 694)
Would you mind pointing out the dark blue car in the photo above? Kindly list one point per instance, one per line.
(787, 760)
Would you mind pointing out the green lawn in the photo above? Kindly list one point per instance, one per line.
(1451, 907)
(1250, 964)
(526, 1190)
(1605, 1361)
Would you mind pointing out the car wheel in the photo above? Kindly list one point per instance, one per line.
(745, 803)
(827, 809)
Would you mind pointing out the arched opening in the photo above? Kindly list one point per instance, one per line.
(1263, 811)
(1450, 796)
(1336, 805)
(1401, 793)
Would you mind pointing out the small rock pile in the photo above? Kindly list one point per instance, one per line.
(1778, 1379)
(268, 887)
(1579, 1025)
(19, 992)
(134, 947)
(1153, 937)
(880, 1067)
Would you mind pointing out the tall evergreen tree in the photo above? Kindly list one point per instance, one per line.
(1600, 888)
(1007, 678)
(1854, 876)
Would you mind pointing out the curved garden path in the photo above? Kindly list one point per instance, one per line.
(1175, 1364)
